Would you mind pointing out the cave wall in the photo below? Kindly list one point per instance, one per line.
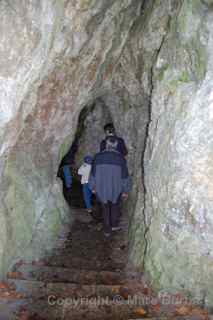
(176, 250)
(150, 64)
(56, 58)
(90, 130)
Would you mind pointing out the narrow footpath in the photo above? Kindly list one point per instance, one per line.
(87, 277)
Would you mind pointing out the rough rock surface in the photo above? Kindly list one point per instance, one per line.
(178, 224)
(90, 129)
(56, 57)
(148, 66)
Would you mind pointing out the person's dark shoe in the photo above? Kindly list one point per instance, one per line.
(107, 235)
(116, 228)
(95, 215)
(90, 212)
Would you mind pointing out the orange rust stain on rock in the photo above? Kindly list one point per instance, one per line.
(45, 112)
(108, 71)
(93, 67)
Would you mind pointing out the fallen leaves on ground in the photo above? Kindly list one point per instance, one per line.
(11, 295)
(156, 308)
(8, 291)
(116, 289)
(15, 275)
(140, 312)
(4, 286)
(203, 314)
(189, 310)
(146, 291)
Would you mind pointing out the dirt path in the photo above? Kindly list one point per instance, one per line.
(85, 278)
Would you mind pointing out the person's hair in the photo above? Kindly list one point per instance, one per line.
(111, 143)
(109, 128)
(88, 159)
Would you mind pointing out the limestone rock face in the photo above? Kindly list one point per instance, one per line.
(178, 221)
(56, 57)
(90, 129)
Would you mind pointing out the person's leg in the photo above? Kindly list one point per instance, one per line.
(97, 210)
(87, 196)
(106, 218)
(119, 205)
(115, 215)
(67, 177)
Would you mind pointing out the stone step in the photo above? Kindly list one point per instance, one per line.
(29, 288)
(65, 309)
(119, 313)
(28, 309)
(60, 289)
(106, 310)
(82, 215)
(51, 308)
(171, 317)
(68, 261)
(9, 308)
(66, 275)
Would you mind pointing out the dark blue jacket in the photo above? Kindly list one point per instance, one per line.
(120, 148)
(109, 176)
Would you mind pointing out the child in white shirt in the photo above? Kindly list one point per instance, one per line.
(84, 172)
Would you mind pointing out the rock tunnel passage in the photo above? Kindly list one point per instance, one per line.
(87, 276)
(88, 136)
(150, 64)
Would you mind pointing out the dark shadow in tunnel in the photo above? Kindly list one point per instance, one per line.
(89, 114)
(73, 194)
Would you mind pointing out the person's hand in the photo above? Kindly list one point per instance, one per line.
(93, 191)
(124, 195)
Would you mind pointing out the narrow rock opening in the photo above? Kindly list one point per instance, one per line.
(87, 139)
(90, 130)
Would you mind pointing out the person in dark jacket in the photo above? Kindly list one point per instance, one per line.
(110, 132)
(109, 180)
(65, 171)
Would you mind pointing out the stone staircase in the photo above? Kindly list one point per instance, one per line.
(85, 278)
